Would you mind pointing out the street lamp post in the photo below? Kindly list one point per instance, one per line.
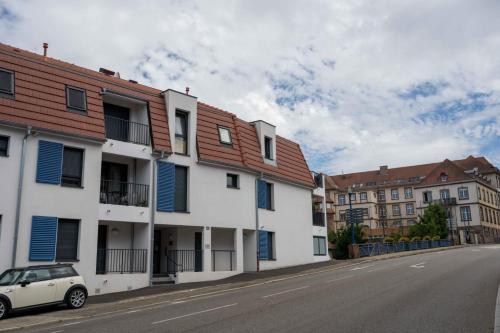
(353, 238)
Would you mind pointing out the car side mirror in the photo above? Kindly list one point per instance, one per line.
(24, 283)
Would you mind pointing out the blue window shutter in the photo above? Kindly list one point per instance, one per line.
(49, 165)
(165, 187)
(43, 238)
(261, 193)
(263, 245)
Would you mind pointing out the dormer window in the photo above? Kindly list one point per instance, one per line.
(444, 177)
(181, 132)
(6, 83)
(268, 148)
(224, 135)
(76, 99)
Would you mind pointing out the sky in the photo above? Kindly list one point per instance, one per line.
(358, 84)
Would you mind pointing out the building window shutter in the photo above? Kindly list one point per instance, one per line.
(165, 191)
(43, 238)
(263, 245)
(262, 193)
(49, 164)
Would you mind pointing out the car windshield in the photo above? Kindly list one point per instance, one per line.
(9, 276)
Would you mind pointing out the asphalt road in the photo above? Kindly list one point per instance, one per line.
(448, 291)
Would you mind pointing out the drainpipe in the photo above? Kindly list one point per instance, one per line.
(19, 196)
(257, 218)
(152, 221)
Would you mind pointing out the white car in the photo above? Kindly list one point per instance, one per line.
(35, 286)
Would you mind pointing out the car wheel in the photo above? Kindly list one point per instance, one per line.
(3, 309)
(76, 298)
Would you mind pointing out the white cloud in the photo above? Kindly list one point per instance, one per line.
(329, 74)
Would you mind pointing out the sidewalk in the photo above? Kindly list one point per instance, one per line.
(147, 297)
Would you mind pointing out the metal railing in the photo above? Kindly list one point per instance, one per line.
(223, 260)
(121, 261)
(374, 249)
(184, 261)
(445, 201)
(126, 130)
(318, 219)
(123, 193)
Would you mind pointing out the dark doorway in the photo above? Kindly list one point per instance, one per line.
(157, 252)
(198, 252)
(114, 186)
(102, 245)
(116, 122)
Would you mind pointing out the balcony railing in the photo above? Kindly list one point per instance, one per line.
(121, 261)
(184, 261)
(223, 260)
(125, 194)
(318, 220)
(125, 130)
(446, 201)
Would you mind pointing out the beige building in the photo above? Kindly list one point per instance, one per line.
(393, 198)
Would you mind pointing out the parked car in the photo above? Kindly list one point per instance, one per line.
(37, 286)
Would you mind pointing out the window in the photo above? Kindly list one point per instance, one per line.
(353, 196)
(371, 183)
(319, 246)
(224, 135)
(382, 211)
(266, 245)
(479, 193)
(363, 196)
(444, 194)
(427, 196)
(444, 177)
(67, 240)
(232, 180)
(6, 83)
(62, 272)
(481, 214)
(341, 199)
(394, 194)
(76, 99)
(269, 196)
(365, 211)
(4, 146)
(268, 147)
(36, 275)
(181, 181)
(410, 209)
(381, 195)
(408, 193)
(181, 133)
(465, 213)
(463, 193)
(396, 210)
(72, 167)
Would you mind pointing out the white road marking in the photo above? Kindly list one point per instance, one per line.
(285, 291)
(419, 265)
(193, 314)
(73, 323)
(57, 331)
(359, 268)
(340, 278)
(491, 247)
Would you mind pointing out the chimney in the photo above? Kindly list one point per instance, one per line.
(106, 72)
(187, 90)
(45, 47)
(383, 170)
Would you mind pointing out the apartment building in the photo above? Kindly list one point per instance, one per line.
(393, 198)
(136, 185)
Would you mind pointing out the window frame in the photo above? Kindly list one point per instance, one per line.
(341, 202)
(8, 146)
(394, 194)
(176, 210)
(410, 204)
(363, 196)
(408, 190)
(76, 109)
(429, 197)
(466, 209)
(396, 212)
(80, 185)
(9, 94)
(185, 115)
(269, 196)
(319, 253)
(269, 156)
(232, 186)
(460, 197)
(221, 141)
(77, 254)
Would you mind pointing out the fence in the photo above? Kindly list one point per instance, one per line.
(125, 130)
(375, 249)
(223, 260)
(121, 261)
(123, 193)
(184, 261)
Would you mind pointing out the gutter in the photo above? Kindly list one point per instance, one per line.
(19, 196)
(152, 221)
(257, 227)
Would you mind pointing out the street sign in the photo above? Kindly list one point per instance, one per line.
(354, 215)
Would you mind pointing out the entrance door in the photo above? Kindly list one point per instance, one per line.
(157, 252)
(198, 252)
(102, 245)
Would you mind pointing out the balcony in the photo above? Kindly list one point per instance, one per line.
(445, 201)
(123, 261)
(126, 130)
(318, 220)
(125, 194)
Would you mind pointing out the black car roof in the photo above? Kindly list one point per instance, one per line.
(45, 266)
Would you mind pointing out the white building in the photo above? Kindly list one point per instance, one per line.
(135, 185)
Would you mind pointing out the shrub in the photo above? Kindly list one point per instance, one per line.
(427, 237)
(416, 238)
(435, 238)
(404, 239)
(388, 240)
(395, 237)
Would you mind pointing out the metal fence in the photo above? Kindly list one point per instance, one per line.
(123, 193)
(184, 261)
(374, 249)
(121, 261)
(318, 219)
(125, 130)
(223, 260)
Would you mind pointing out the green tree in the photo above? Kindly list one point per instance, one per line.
(343, 237)
(432, 223)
